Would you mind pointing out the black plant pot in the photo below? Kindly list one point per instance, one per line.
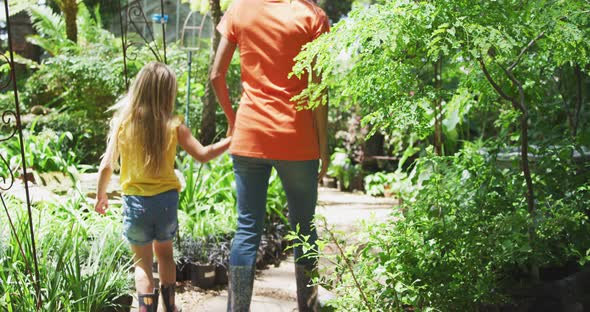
(181, 275)
(221, 275)
(202, 275)
(330, 182)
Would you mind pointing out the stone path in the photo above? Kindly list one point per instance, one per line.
(274, 289)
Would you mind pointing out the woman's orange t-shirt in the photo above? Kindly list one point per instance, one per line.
(269, 35)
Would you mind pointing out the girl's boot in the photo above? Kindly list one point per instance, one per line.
(168, 294)
(148, 302)
(241, 282)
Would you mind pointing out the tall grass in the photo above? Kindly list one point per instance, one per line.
(83, 263)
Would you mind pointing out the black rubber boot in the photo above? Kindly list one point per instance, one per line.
(148, 302)
(241, 282)
(307, 294)
(168, 294)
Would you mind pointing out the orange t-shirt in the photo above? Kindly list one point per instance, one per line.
(269, 34)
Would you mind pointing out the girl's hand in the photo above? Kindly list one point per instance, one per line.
(102, 203)
(225, 142)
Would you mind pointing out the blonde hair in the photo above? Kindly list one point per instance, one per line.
(147, 111)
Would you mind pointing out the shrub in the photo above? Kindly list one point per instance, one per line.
(464, 238)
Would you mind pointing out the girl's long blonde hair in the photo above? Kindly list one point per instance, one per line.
(147, 110)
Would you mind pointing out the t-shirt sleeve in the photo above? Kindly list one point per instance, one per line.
(226, 26)
(322, 25)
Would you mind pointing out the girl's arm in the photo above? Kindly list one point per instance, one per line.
(104, 176)
(199, 152)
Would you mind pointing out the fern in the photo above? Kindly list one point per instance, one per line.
(17, 6)
(51, 31)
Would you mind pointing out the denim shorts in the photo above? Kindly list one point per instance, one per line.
(149, 218)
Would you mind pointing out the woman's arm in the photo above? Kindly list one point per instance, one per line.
(320, 116)
(193, 147)
(225, 51)
(104, 176)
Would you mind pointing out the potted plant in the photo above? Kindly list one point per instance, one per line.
(194, 251)
(349, 175)
(191, 254)
(219, 250)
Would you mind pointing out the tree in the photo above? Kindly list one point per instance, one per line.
(335, 9)
(70, 10)
(408, 61)
(208, 122)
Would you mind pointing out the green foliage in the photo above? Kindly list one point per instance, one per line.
(51, 29)
(87, 271)
(468, 231)
(85, 76)
(383, 57)
(203, 7)
(76, 83)
(208, 201)
(342, 168)
(463, 236)
(45, 151)
(336, 9)
(391, 183)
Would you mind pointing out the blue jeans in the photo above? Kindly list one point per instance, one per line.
(300, 182)
(149, 218)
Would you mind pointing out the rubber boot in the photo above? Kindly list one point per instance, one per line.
(307, 294)
(241, 282)
(148, 302)
(168, 294)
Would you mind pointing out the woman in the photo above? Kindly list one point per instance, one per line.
(269, 132)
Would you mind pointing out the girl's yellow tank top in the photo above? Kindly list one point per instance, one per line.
(135, 180)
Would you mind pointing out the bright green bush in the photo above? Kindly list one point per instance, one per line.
(463, 238)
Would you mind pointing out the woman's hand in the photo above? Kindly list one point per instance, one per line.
(325, 162)
(102, 203)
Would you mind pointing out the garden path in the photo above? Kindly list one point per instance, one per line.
(274, 288)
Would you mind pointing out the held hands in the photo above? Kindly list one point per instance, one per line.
(230, 130)
(102, 203)
(225, 142)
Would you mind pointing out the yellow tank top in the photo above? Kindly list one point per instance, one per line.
(135, 180)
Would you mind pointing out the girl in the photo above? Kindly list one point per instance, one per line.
(143, 138)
